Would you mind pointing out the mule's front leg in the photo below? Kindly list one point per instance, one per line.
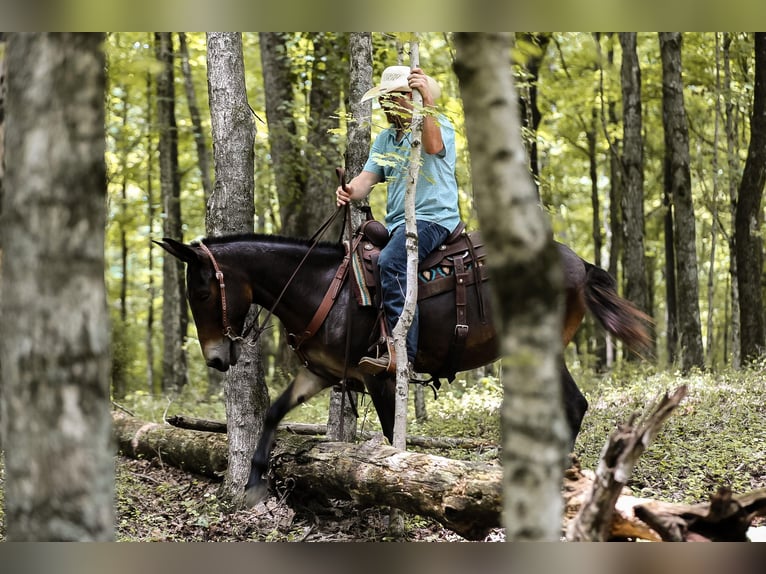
(305, 385)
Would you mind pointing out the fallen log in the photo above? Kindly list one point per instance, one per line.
(206, 425)
(198, 452)
(463, 496)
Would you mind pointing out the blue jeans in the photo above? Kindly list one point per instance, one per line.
(393, 274)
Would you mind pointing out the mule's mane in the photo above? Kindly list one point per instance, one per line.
(265, 238)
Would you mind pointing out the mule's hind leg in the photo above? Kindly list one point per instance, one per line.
(575, 404)
(305, 385)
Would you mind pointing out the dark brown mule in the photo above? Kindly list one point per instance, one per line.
(256, 269)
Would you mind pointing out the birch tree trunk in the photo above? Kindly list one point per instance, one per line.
(174, 316)
(749, 218)
(54, 345)
(678, 173)
(527, 281)
(2, 175)
(231, 210)
(402, 326)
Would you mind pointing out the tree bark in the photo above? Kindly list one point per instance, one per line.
(678, 182)
(533, 46)
(54, 348)
(527, 281)
(634, 264)
(174, 316)
(231, 210)
(203, 156)
(749, 218)
(150, 211)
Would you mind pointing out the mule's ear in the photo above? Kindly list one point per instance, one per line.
(177, 249)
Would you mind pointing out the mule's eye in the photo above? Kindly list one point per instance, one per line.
(202, 295)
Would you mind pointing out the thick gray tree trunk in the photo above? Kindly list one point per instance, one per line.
(634, 264)
(679, 183)
(54, 345)
(527, 281)
(231, 210)
(174, 315)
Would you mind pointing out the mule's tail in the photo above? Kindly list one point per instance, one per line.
(618, 316)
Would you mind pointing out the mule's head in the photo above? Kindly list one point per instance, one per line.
(204, 294)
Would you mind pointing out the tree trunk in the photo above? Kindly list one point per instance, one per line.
(174, 316)
(203, 156)
(322, 150)
(634, 264)
(732, 146)
(151, 288)
(54, 348)
(341, 422)
(533, 47)
(615, 228)
(749, 218)
(679, 182)
(231, 210)
(527, 281)
(2, 175)
(214, 378)
(287, 163)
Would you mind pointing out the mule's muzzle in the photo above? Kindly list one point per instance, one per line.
(222, 355)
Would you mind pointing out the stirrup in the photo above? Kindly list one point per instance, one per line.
(377, 365)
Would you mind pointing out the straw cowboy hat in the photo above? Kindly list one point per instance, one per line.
(394, 79)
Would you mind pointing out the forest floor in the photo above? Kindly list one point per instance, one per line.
(715, 438)
(158, 502)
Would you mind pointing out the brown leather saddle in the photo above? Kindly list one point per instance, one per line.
(456, 266)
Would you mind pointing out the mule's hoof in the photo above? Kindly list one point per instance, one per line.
(256, 493)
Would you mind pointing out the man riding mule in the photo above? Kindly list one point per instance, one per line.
(436, 198)
(292, 277)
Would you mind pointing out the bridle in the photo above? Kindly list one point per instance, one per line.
(227, 329)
